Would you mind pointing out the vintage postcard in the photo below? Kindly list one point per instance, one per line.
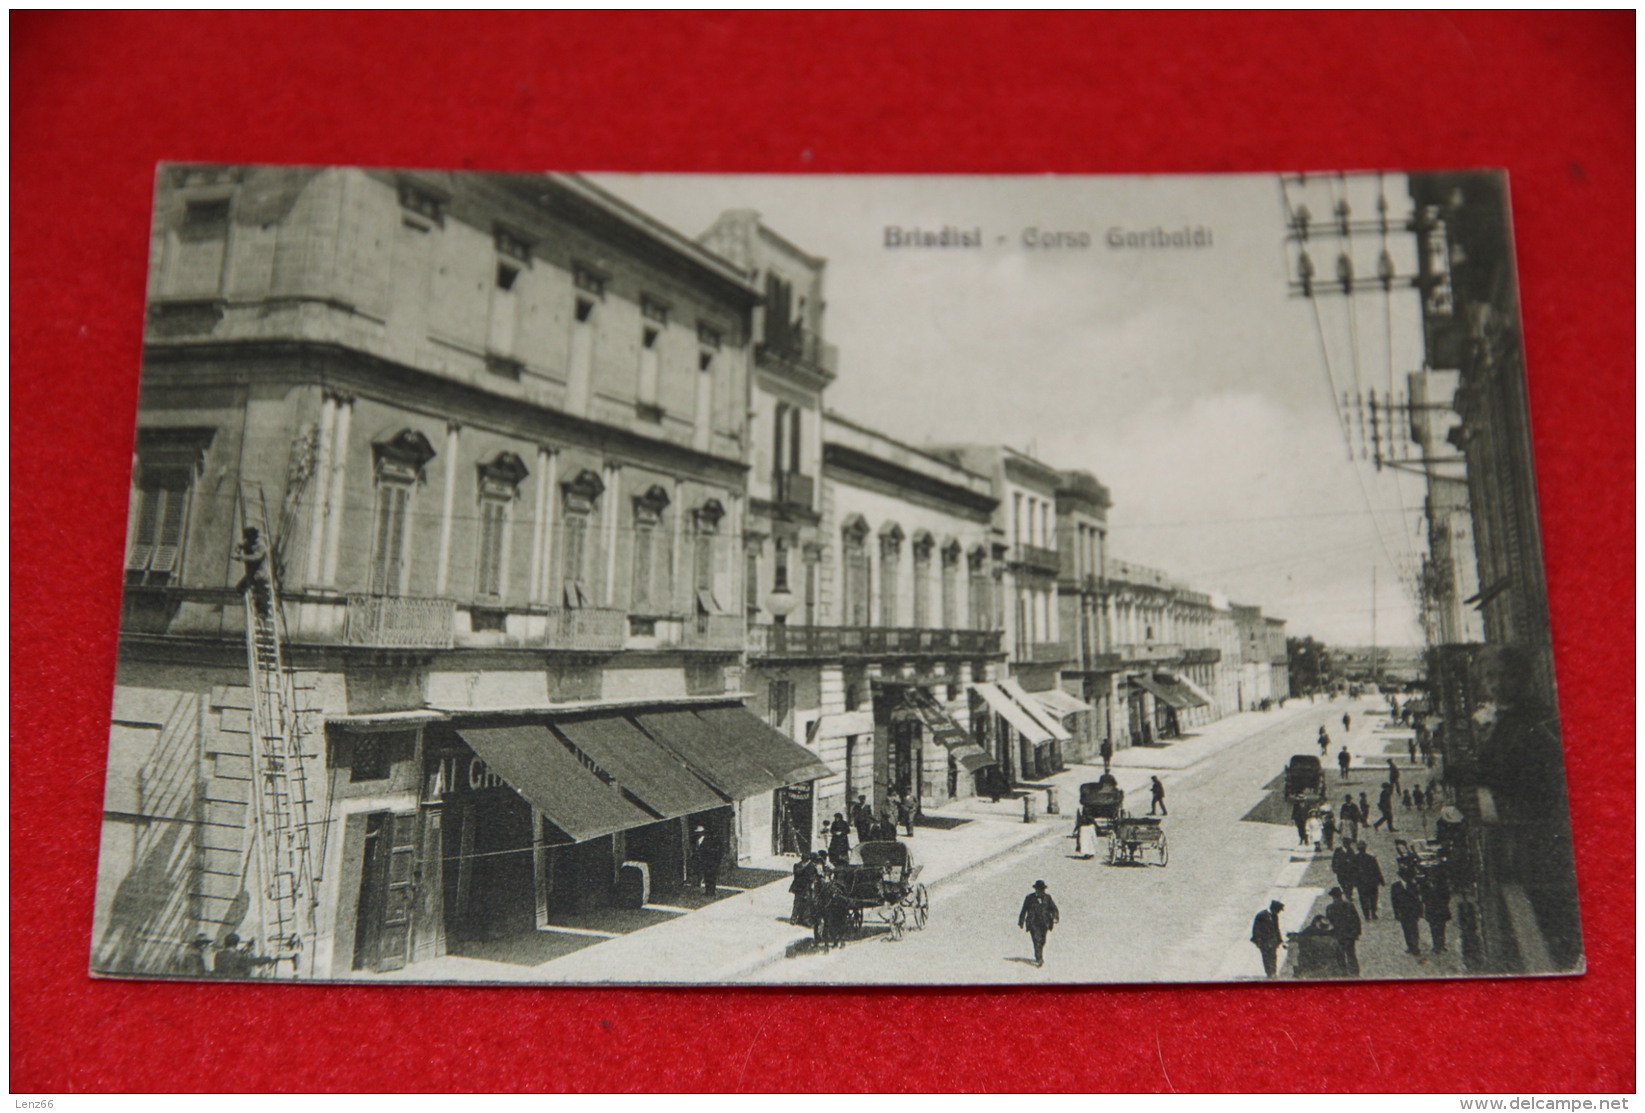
(557, 578)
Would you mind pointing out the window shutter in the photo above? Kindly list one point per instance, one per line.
(168, 542)
(149, 501)
(491, 546)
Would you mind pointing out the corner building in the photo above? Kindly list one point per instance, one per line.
(495, 431)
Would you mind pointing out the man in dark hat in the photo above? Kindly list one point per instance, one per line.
(1368, 879)
(706, 852)
(1038, 916)
(1266, 935)
(1345, 925)
(862, 818)
(1407, 910)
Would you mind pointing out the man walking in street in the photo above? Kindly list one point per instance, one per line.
(1343, 863)
(1368, 880)
(1299, 816)
(1346, 926)
(1157, 793)
(1347, 723)
(1408, 911)
(1038, 916)
(1324, 741)
(1385, 809)
(1266, 935)
(1342, 761)
(905, 812)
(1393, 775)
(1107, 751)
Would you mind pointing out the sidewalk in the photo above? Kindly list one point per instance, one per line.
(731, 938)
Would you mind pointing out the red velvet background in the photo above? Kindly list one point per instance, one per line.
(98, 99)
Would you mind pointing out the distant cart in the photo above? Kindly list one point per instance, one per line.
(1133, 838)
(882, 877)
(1103, 802)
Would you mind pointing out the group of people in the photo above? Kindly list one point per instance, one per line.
(870, 827)
(814, 896)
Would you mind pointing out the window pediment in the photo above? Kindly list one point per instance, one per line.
(649, 506)
(503, 474)
(855, 528)
(582, 490)
(406, 452)
(709, 515)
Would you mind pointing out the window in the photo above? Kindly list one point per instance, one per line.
(890, 557)
(167, 463)
(751, 576)
(649, 338)
(857, 574)
(810, 588)
(499, 487)
(370, 761)
(206, 214)
(923, 544)
(512, 246)
(705, 555)
(580, 500)
(950, 586)
(197, 252)
(781, 701)
(652, 568)
(981, 595)
(779, 300)
(421, 203)
(400, 463)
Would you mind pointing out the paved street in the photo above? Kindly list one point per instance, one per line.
(1187, 921)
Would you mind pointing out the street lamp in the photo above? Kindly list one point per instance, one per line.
(781, 603)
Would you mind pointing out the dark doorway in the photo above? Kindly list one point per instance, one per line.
(382, 922)
(490, 891)
(792, 819)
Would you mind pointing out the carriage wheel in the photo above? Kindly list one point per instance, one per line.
(1164, 853)
(922, 907)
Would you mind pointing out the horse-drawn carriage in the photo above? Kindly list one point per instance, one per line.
(1103, 802)
(1134, 836)
(882, 877)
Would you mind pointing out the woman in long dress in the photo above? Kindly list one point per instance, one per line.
(1085, 837)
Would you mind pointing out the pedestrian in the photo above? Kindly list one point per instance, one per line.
(1393, 774)
(1314, 830)
(1342, 761)
(1265, 934)
(1473, 947)
(1107, 752)
(1346, 926)
(1364, 809)
(839, 840)
(1411, 748)
(1436, 908)
(1085, 836)
(1038, 916)
(1328, 825)
(1347, 723)
(1385, 808)
(1405, 799)
(1342, 865)
(1408, 911)
(194, 959)
(862, 818)
(883, 829)
(835, 912)
(1324, 741)
(1156, 792)
(706, 853)
(236, 961)
(1299, 816)
(905, 813)
(803, 886)
(1350, 817)
(1368, 880)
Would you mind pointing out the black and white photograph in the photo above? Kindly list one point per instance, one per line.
(585, 578)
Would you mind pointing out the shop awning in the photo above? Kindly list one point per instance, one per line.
(770, 747)
(938, 721)
(971, 757)
(1161, 691)
(1008, 709)
(538, 766)
(1184, 689)
(732, 750)
(652, 773)
(1030, 704)
(1060, 703)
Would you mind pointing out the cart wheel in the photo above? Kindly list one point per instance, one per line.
(1164, 851)
(922, 907)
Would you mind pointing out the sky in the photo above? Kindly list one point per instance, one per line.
(1188, 380)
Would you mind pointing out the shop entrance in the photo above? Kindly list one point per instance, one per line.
(489, 889)
(792, 820)
(382, 920)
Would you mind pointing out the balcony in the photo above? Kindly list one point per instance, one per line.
(400, 622)
(1206, 656)
(584, 628)
(790, 488)
(1036, 558)
(1041, 653)
(1148, 652)
(868, 641)
(713, 631)
(799, 351)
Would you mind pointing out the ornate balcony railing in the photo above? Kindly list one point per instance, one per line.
(1036, 557)
(1045, 652)
(868, 641)
(401, 622)
(1147, 652)
(1202, 656)
(712, 631)
(594, 628)
(804, 350)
